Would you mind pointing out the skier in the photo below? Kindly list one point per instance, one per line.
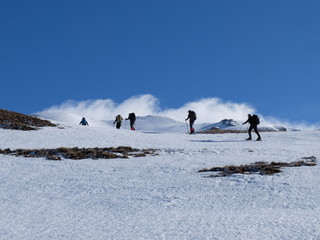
(84, 122)
(192, 116)
(118, 120)
(132, 118)
(254, 122)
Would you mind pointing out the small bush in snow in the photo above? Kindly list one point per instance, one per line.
(262, 168)
(81, 153)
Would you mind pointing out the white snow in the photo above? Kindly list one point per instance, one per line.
(158, 197)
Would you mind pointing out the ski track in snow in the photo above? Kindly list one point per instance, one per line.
(158, 197)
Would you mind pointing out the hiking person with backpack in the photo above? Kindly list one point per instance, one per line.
(132, 118)
(192, 116)
(254, 122)
(84, 122)
(118, 120)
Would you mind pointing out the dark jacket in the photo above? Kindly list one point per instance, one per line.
(252, 120)
(131, 117)
(192, 116)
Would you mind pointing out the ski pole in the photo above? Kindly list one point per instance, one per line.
(187, 126)
(239, 131)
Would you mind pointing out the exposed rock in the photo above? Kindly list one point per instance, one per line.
(18, 121)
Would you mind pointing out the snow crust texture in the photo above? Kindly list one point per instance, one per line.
(158, 197)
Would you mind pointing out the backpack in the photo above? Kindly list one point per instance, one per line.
(132, 116)
(118, 118)
(255, 119)
(194, 115)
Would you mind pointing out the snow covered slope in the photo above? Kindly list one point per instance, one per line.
(158, 197)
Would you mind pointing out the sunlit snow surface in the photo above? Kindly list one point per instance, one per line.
(158, 197)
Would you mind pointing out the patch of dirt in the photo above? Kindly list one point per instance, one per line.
(262, 168)
(18, 121)
(81, 153)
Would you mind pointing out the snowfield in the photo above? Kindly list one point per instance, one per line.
(158, 197)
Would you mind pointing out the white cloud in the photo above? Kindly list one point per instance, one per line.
(211, 110)
(271, 121)
(208, 109)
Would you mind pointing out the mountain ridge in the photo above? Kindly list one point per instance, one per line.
(154, 123)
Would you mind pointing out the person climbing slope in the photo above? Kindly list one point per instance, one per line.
(192, 116)
(84, 122)
(118, 120)
(132, 118)
(254, 121)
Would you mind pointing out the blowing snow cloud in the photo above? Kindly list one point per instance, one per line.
(207, 109)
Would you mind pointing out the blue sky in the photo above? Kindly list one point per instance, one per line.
(264, 53)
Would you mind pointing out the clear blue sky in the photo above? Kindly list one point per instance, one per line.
(265, 53)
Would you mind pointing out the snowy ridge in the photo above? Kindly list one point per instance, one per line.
(230, 124)
(153, 123)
